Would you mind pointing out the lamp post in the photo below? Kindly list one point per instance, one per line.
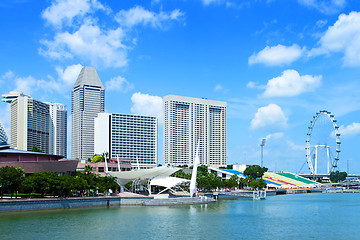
(262, 144)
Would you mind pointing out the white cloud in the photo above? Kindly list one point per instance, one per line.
(90, 44)
(62, 12)
(350, 130)
(25, 84)
(343, 37)
(271, 117)
(321, 23)
(276, 135)
(118, 84)
(208, 2)
(282, 142)
(148, 105)
(70, 74)
(80, 35)
(290, 84)
(218, 87)
(277, 55)
(252, 84)
(140, 16)
(30, 84)
(325, 6)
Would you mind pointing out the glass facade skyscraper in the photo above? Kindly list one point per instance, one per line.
(3, 135)
(87, 100)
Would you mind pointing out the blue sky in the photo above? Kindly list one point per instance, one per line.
(275, 62)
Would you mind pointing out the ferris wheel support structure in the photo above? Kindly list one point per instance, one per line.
(331, 163)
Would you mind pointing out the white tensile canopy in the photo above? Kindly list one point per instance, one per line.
(143, 174)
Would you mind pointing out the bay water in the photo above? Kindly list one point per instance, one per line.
(301, 216)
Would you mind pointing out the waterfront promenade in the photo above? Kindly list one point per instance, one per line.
(123, 199)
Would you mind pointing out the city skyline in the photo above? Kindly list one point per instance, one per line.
(276, 64)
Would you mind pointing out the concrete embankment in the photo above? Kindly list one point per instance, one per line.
(61, 203)
(235, 194)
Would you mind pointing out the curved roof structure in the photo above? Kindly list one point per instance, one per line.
(143, 174)
(3, 135)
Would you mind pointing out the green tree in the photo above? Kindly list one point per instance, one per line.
(254, 176)
(232, 182)
(39, 183)
(255, 171)
(88, 169)
(337, 176)
(98, 158)
(257, 184)
(35, 149)
(10, 179)
(181, 174)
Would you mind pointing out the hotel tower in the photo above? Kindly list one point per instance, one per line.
(191, 122)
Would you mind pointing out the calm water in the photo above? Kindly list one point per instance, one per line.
(303, 216)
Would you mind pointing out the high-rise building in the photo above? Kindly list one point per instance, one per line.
(32, 124)
(126, 136)
(58, 129)
(87, 100)
(3, 135)
(191, 122)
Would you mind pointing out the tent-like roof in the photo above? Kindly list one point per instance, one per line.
(168, 182)
(228, 171)
(143, 174)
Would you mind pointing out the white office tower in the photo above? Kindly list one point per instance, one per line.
(29, 125)
(191, 121)
(88, 97)
(126, 136)
(58, 129)
(3, 135)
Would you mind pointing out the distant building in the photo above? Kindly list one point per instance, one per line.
(189, 122)
(100, 167)
(88, 99)
(35, 123)
(58, 129)
(3, 136)
(126, 136)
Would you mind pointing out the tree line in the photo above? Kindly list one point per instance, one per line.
(14, 181)
(207, 181)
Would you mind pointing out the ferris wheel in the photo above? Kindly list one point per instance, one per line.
(323, 143)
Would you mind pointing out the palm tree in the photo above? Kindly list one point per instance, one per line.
(88, 169)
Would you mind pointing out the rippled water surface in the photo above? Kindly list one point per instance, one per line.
(302, 216)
